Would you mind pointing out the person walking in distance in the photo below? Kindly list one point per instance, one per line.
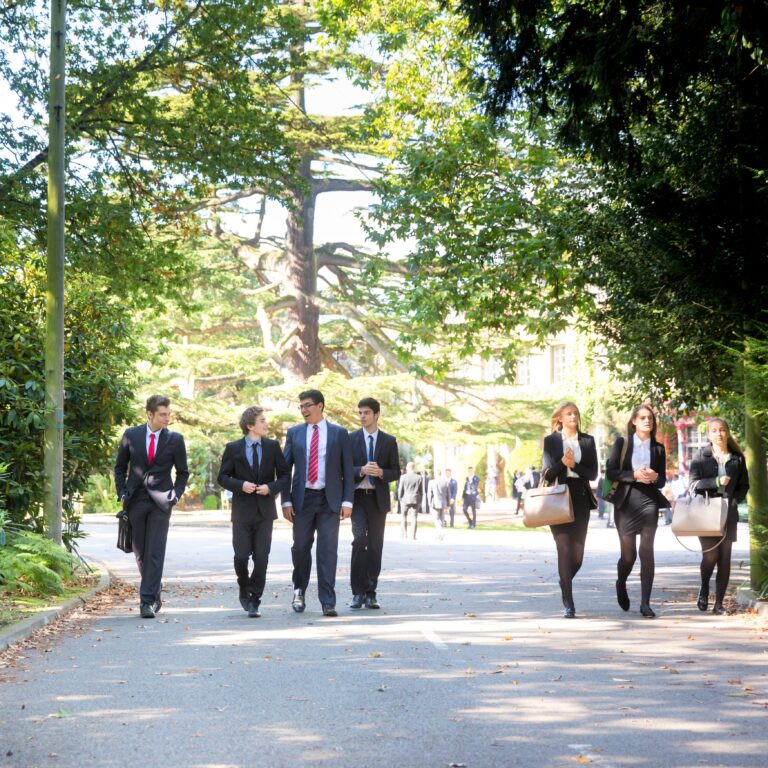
(410, 490)
(453, 489)
(319, 491)
(376, 464)
(439, 499)
(719, 469)
(145, 459)
(570, 457)
(470, 496)
(253, 470)
(637, 500)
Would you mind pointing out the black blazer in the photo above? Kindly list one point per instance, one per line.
(704, 471)
(385, 455)
(555, 471)
(625, 474)
(132, 470)
(235, 470)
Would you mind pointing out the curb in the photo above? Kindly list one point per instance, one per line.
(748, 599)
(23, 629)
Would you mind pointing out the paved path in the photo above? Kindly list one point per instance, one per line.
(469, 664)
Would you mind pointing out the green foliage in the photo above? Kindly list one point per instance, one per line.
(32, 564)
(99, 355)
(211, 501)
(99, 496)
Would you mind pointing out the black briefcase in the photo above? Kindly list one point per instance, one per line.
(124, 532)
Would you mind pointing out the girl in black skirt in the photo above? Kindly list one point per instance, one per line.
(719, 470)
(570, 457)
(637, 500)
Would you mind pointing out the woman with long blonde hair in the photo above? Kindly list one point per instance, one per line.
(719, 469)
(570, 457)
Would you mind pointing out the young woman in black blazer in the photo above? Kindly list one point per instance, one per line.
(637, 501)
(570, 457)
(719, 469)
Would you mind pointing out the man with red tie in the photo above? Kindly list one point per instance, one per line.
(318, 495)
(144, 483)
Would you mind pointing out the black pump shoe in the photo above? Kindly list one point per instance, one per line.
(647, 612)
(702, 601)
(621, 594)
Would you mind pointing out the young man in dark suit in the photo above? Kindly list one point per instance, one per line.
(318, 495)
(145, 458)
(253, 469)
(376, 464)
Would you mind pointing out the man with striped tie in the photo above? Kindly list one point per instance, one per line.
(319, 493)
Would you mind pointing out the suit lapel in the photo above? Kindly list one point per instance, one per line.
(162, 441)
(378, 449)
(330, 438)
(141, 449)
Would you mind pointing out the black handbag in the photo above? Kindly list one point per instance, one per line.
(124, 533)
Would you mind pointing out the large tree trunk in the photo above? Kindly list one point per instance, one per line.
(303, 356)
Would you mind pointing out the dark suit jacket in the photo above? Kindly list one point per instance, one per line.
(554, 469)
(339, 474)
(385, 455)
(132, 470)
(625, 474)
(410, 489)
(235, 470)
(704, 472)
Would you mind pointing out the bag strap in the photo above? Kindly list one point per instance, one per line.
(625, 443)
(715, 546)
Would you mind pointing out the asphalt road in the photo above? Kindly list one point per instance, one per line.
(468, 664)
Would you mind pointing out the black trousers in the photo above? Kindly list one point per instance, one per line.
(368, 524)
(316, 515)
(150, 535)
(251, 537)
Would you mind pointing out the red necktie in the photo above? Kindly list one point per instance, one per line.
(151, 451)
(314, 455)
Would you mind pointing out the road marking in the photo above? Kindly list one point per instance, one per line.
(434, 638)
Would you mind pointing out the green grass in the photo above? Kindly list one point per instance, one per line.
(15, 607)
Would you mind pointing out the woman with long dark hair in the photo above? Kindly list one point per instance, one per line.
(719, 469)
(570, 457)
(637, 501)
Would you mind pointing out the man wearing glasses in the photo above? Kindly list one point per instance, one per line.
(318, 495)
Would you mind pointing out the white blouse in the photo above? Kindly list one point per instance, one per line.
(641, 452)
(573, 444)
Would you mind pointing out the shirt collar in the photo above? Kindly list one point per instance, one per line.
(374, 435)
(250, 441)
(638, 441)
(157, 432)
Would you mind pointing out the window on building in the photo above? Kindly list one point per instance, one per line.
(558, 363)
(523, 372)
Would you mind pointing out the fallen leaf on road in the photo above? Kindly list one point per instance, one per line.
(508, 637)
(582, 759)
(374, 655)
(471, 615)
(734, 682)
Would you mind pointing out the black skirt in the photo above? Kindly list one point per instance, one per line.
(581, 500)
(639, 510)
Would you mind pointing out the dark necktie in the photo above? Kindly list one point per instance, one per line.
(370, 447)
(256, 456)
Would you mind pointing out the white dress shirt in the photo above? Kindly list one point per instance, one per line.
(641, 452)
(157, 438)
(366, 483)
(573, 444)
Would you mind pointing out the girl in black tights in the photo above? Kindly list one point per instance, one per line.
(638, 465)
(719, 470)
(570, 457)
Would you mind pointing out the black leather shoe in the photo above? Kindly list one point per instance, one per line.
(158, 604)
(244, 600)
(621, 595)
(718, 609)
(569, 612)
(329, 610)
(647, 612)
(146, 611)
(371, 602)
(253, 610)
(702, 601)
(357, 602)
(298, 604)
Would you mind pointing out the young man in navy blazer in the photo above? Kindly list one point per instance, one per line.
(318, 495)
(253, 469)
(376, 465)
(145, 458)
